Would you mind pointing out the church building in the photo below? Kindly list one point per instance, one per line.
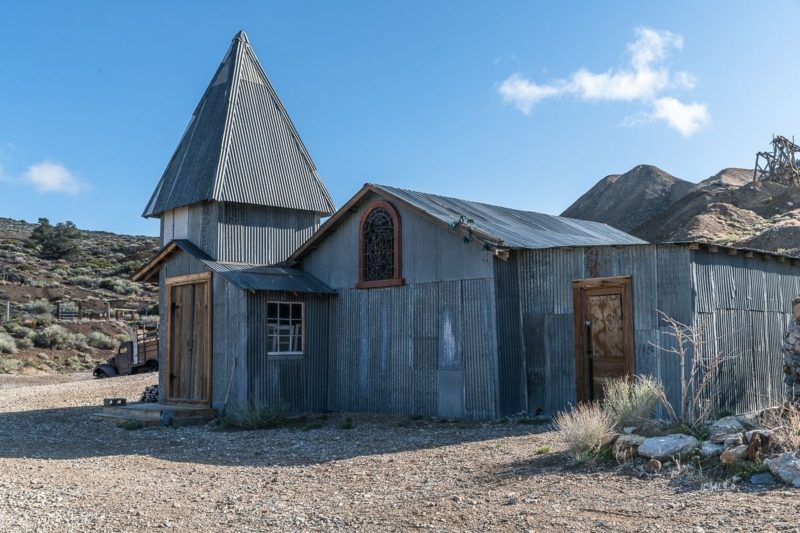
(404, 302)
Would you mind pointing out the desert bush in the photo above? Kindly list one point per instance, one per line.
(9, 365)
(629, 402)
(37, 307)
(699, 367)
(88, 282)
(7, 344)
(53, 336)
(269, 417)
(102, 341)
(24, 342)
(17, 330)
(584, 429)
(786, 421)
(78, 342)
(119, 285)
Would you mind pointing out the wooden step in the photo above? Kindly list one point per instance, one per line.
(151, 414)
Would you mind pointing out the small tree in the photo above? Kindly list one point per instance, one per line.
(55, 242)
(699, 363)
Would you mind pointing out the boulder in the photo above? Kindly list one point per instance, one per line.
(626, 447)
(724, 426)
(732, 455)
(710, 449)
(760, 432)
(785, 467)
(668, 446)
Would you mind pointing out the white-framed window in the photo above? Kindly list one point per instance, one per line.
(285, 328)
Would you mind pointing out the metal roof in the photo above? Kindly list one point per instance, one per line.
(241, 146)
(267, 278)
(513, 228)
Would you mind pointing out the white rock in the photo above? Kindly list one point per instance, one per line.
(710, 449)
(786, 467)
(668, 446)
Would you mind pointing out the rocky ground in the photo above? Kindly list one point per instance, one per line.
(62, 470)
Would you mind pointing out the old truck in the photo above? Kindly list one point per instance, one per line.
(136, 355)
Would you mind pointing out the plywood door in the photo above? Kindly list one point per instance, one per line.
(188, 343)
(604, 334)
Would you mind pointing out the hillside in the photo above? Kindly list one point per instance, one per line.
(95, 277)
(627, 200)
(727, 208)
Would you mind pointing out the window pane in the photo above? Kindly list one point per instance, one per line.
(297, 311)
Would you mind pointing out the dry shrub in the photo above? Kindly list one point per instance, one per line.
(7, 344)
(786, 421)
(630, 402)
(584, 429)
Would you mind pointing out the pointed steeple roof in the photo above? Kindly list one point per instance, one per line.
(241, 146)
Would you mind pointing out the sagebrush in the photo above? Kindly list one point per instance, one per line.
(631, 401)
(584, 429)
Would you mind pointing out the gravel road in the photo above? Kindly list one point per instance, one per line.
(61, 470)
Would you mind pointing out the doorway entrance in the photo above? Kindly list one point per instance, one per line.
(604, 347)
(187, 375)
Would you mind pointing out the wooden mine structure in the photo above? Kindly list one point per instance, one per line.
(780, 166)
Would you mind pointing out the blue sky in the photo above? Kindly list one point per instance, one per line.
(525, 104)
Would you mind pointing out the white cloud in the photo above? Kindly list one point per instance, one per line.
(52, 177)
(686, 118)
(643, 80)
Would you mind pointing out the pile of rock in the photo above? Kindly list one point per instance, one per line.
(791, 354)
(733, 439)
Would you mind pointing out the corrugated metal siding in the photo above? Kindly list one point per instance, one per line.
(430, 253)
(298, 382)
(241, 146)
(415, 349)
(510, 354)
(746, 304)
(661, 281)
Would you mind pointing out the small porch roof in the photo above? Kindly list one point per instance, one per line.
(243, 276)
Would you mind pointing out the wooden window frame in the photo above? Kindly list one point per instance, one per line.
(397, 278)
(289, 355)
(189, 279)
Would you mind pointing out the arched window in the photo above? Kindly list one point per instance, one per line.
(379, 252)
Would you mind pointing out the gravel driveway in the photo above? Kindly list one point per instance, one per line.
(61, 470)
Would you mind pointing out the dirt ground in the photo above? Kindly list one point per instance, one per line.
(62, 470)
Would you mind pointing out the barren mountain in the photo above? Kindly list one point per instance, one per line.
(727, 208)
(628, 200)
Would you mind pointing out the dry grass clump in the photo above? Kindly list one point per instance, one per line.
(7, 344)
(630, 402)
(584, 429)
(786, 435)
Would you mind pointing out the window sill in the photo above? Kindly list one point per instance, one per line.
(380, 283)
(283, 356)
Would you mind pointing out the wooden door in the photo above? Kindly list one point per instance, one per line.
(188, 342)
(604, 347)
